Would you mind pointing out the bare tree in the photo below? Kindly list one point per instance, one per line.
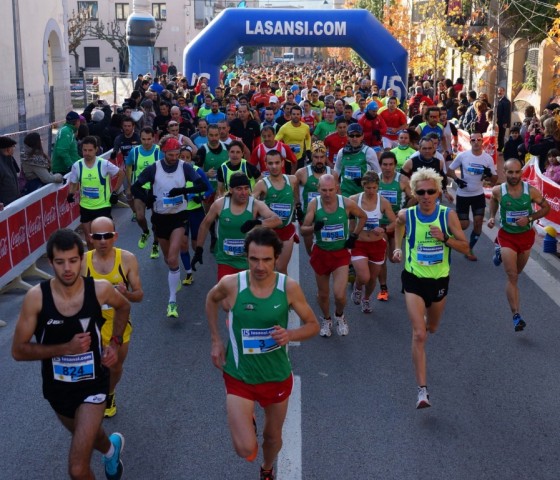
(78, 26)
(115, 35)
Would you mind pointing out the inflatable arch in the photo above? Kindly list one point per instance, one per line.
(357, 29)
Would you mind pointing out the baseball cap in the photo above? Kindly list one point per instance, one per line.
(170, 145)
(355, 128)
(372, 106)
(273, 99)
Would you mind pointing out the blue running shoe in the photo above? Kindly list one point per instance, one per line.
(114, 466)
(518, 323)
(497, 258)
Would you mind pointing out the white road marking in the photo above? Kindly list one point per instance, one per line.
(293, 272)
(289, 465)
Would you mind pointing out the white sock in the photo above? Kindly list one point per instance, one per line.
(110, 452)
(173, 279)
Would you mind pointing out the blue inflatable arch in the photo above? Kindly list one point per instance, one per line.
(356, 29)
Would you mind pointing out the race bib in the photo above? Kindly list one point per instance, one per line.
(169, 202)
(90, 192)
(429, 254)
(234, 247)
(74, 368)
(311, 196)
(283, 210)
(332, 233)
(295, 147)
(512, 217)
(258, 340)
(389, 195)
(352, 173)
(371, 223)
(475, 169)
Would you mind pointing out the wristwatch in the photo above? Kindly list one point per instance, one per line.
(445, 238)
(118, 339)
(530, 218)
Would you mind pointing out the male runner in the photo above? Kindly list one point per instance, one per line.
(168, 178)
(120, 268)
(237, 213)
(137, 160)
(432, 230)
(476, 166)
(64, 314)
(255, 366)
(296, 135)
(92, 176)
(516, 236)
(327, 220)
(280, 192)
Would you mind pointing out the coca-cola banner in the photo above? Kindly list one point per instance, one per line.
(35, 234)
(5, 262)
(50, 215)
(63, 208)
(549, 189)
(17, 235)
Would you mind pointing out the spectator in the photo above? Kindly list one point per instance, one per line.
(553, 167)
(511, 147)
(9, 170)
(65, 152)
(100, 118)
(36, 165)
(111, 132)
(546, 143)
(503, 116)
(530, 114)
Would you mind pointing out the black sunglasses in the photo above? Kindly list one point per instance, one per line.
(102, 236)
(430, 191)
(355, 135)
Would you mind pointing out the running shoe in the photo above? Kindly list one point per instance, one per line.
(423, 398)
(267, 474)
(114, 466)
(155, 251)
(356, 296)
(189, 279)
(383, 295)
(471, 257)
(341, 325)
(326, 327)
(172, 310)
(497, 258)
(133, 218)
(518, 323)
(143, 239)
(111, 407)
(366, 307)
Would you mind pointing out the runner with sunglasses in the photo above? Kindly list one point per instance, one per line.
(432, 230)
(120, 268)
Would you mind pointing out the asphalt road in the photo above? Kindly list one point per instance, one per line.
(495, 393)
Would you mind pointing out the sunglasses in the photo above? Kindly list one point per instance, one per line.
(476, 139)
(355, 135)
(104, 235)
(430, 191)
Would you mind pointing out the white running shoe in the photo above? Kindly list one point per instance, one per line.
(423, 398)
(356, 296)
(366, 307)
(341, 325)
(326, 327)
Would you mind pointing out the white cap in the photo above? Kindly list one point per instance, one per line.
(273, 99)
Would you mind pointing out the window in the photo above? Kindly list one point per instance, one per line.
(91, 56)
(160, 53)
(159, 11)
(122, 11)
(90, 8)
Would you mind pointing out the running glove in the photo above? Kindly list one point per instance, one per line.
(351, 241)
(460, 183)
(114, 198)
(197, 257)
(249, 225)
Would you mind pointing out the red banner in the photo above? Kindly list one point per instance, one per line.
(63, 208)
(549, 189)
(50, 216)
(35, 233)
(17, 234)
(5, 262)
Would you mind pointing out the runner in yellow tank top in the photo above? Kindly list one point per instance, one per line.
(119, 267)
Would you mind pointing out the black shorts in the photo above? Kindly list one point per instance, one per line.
(87, 215)
(429, 289)
(66, 405)
(164, 224)
(464, 204)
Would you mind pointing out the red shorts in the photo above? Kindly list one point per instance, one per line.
(518, 242)
(224, 270)
(324, 262)
(373, 251)
(265, 393)
(287, 232)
